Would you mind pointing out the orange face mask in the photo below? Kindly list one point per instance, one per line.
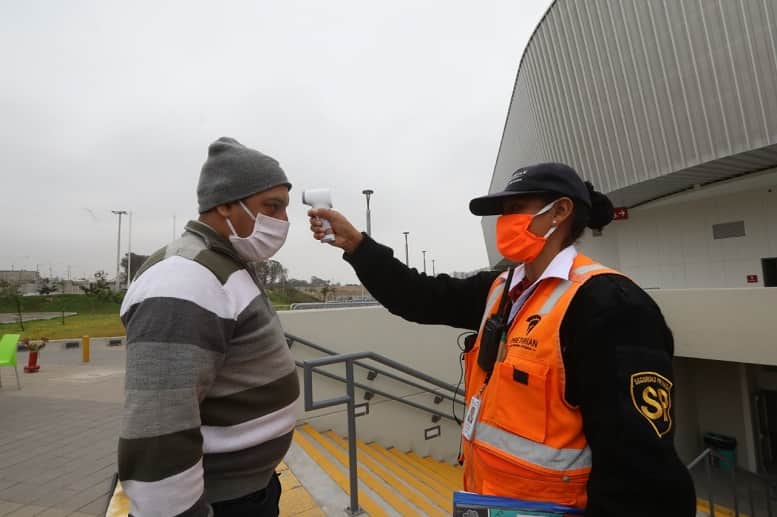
(514, 240)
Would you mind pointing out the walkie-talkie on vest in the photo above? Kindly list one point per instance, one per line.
(494, 330)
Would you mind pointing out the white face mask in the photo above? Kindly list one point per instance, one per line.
(267, 238)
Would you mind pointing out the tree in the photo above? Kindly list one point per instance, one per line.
(294, 282)
(262, 272)
(327, 289)
(271, 272)
(100, 288)
(11, 290)
(277, 272)
(46, 287)
(137, 261)
(318, 282)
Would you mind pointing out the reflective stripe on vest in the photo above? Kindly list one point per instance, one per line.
(494, 298)
(562, 287)
(537, 453)
(590, 268)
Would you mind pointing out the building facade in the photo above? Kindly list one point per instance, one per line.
(670, 108)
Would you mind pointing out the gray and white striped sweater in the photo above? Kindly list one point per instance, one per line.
(210, 386)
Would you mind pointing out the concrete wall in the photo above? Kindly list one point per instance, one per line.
(428, 348)
(669, 244)
(714, 396)
(736, 325)
(686, 412)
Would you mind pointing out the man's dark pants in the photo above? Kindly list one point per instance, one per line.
(263, 503)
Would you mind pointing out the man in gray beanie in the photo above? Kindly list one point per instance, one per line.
(211, 385)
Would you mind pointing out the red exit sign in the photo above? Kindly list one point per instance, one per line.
(621, 213)
(752, 279)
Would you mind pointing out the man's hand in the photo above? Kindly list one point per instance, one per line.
(346, 236)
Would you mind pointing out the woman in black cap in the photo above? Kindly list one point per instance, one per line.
(569, 379)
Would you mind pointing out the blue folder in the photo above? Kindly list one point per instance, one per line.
(467, 504)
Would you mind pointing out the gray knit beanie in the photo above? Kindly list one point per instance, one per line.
(233, 172)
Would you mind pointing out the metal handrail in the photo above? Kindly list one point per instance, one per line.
(708, 454)
(349, 399)
(291, 338)
(384, 394)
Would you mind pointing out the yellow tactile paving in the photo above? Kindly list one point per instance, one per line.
(119, 505)
(295, 500)
(314, 512)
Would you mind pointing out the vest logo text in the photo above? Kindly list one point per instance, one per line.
(651, 394)
(527, 343)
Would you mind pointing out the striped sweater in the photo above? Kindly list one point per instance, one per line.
(211, 385)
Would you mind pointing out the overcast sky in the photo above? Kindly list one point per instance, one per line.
(111, 105)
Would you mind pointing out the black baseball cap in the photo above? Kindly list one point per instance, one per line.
(542, 178)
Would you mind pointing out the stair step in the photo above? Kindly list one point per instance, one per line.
(445, 470)
(428, 478)
(409, 463)
(703, 506)
(426, 499)
(303, 439)
(438, 495)
(370, 480)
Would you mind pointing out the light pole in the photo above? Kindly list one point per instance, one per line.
(367, 193)
(434, 273)
(424, 253)
(129, 251)
(407, 259)
(118, 246)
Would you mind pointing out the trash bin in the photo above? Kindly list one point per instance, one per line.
(725, 446)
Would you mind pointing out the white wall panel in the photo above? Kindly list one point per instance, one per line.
(671, 245)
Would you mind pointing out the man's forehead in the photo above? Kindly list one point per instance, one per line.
(279, 193)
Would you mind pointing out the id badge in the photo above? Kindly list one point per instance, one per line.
(468, 427)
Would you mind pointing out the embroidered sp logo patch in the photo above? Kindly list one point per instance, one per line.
(651, 394)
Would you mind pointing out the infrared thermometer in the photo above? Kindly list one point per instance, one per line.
(320, 198)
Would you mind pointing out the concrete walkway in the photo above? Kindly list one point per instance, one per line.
(58, 436)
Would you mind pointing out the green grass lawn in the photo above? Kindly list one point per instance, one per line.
(95, 318)
(92, 325)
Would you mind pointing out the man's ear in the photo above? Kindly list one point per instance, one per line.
(224, 210)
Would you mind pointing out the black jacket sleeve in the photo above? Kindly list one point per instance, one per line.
(618, 354)
(414, 296)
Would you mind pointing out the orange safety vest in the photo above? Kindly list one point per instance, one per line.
(528, 442)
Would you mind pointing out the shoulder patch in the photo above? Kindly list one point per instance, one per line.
(651, 394)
